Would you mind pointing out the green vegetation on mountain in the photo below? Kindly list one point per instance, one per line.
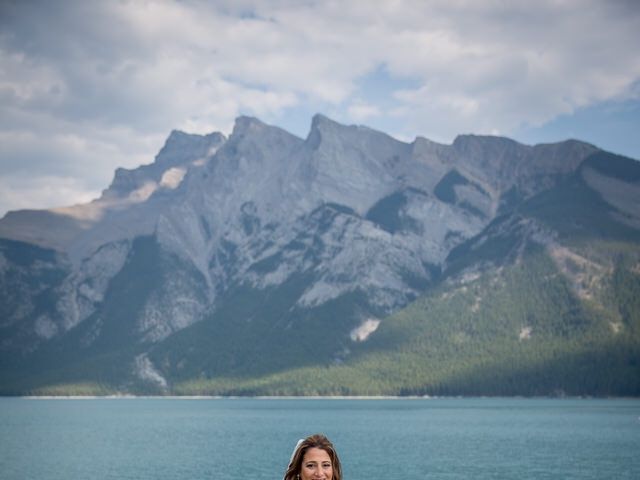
(516, 330)
(541, 324)
(544, 301)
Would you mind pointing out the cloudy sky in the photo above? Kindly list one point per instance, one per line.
(86, 87)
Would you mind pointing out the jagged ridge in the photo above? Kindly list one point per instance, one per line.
(263, 246)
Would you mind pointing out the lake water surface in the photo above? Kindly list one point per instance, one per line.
(381, 439)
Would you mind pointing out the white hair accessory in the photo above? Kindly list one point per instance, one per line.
(293, 454)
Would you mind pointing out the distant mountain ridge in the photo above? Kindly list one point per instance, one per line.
(263, 253)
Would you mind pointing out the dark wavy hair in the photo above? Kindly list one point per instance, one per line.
(314, 441)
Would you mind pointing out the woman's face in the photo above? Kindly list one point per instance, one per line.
(316, 465)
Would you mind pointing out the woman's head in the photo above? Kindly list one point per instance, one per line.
(314, 458)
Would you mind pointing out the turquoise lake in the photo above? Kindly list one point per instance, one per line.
(382, 439)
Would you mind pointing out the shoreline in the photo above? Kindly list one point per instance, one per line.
(305, 398)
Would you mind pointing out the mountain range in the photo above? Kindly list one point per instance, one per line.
(345, 263)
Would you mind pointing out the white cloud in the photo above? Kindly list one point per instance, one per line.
(360, 110)
(498, 66)
(89, 86)
(43, 191)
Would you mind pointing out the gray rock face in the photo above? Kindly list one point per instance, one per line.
(348, 208)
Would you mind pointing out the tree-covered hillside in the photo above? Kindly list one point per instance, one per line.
(546, 301)
(348, 263)
(519, 329)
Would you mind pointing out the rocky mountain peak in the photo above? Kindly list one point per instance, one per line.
(322, 122)
(245, 124)
(265, 236)
(488, 150)
(179, 152)
(181, 148)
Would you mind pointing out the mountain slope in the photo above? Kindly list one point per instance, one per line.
(267, 263)
(531, 306)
